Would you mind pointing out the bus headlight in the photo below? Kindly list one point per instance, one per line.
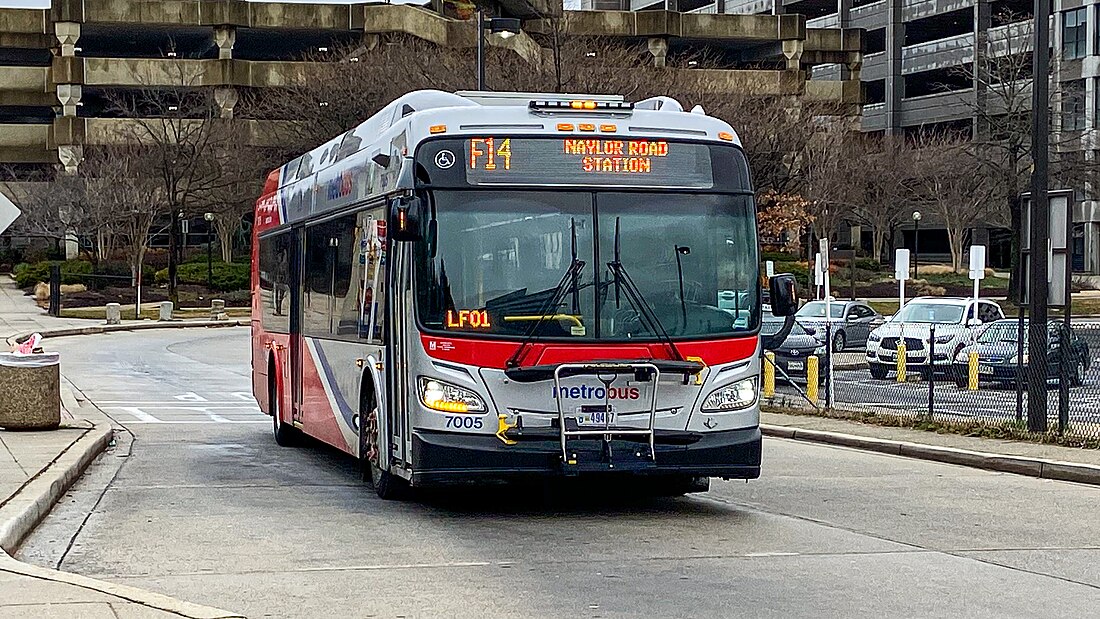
(731, 397)
(441, 396)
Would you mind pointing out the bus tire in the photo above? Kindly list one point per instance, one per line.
(285, 435)
(386, 485)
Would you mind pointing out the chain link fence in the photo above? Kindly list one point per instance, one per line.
(978, 379)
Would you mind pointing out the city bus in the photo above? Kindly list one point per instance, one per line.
(473, 287)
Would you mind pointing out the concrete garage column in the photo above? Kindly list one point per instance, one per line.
(895, 83)
(792, 50)
(71, 156)
(69, 95)
(226, 38)
(226, 98)
(658, 46)
(68, 33)
(983, 21)
(844, 20)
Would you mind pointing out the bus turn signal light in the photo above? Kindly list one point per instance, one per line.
(587, 127)
(565, 126)
(609, 128)
(437, 129)
(725, 135)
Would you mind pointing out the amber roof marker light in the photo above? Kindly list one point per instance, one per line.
(584, 106)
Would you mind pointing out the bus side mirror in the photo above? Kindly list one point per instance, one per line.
(784, 294)
(405, 217)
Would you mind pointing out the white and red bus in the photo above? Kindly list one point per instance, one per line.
(484, 286)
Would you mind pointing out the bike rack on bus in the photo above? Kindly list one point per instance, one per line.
(601, 370)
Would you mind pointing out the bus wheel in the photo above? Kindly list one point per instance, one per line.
(285, 435)
(387, 485)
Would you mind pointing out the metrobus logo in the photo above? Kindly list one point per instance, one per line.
(585, 392)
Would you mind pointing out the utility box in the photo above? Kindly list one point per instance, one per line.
(30, 391)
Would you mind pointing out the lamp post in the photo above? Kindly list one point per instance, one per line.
(209, 217)
(916, 240)
(506, 27)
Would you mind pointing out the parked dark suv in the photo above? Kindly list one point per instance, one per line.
(998, 346)
(790, 356)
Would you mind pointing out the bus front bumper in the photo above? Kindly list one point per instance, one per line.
(441, 458)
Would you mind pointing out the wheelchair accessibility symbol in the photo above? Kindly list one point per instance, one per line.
(444, 159)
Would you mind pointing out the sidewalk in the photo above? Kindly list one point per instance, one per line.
(37, 468)
(1022, 457)
(20, 314)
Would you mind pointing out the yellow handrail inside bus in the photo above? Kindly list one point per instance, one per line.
(576, 320)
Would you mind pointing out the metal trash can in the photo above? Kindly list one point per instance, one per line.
(30, 391)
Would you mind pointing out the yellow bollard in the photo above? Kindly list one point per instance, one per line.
(811, 377)
(901, 362)
(972, 371)
(769, 374)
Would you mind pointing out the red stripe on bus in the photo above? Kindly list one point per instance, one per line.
(494, 354)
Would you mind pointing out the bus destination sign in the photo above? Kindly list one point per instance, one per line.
(587, 161)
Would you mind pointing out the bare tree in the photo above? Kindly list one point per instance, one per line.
(887, 186)
(1002, 76)
(181, 134)
(954, 189)
(120, 182)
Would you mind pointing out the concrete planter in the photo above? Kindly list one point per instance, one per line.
(30, 391)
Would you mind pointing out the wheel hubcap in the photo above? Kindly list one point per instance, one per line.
(372, 437)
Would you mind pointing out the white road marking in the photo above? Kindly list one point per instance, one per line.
(190, 396)
(141, 415)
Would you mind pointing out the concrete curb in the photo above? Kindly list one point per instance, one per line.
(124, 592)
(1019, 465)
(21, 513)
(136, 326)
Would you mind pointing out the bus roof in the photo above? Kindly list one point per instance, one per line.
(365, 160)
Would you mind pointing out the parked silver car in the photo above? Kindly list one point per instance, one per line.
(851, 322)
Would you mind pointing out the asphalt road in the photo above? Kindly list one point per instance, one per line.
(202, 505)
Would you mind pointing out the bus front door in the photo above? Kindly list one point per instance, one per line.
(297, 344)
(402, 328)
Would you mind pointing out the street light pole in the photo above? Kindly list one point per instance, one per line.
(1039, 222)
(916, 240)
(480, 50)
(505, 27)
(209, 217)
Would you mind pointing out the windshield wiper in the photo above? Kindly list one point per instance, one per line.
(557, 295)
(623, 281)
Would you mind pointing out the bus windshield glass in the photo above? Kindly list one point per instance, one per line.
(499, 258)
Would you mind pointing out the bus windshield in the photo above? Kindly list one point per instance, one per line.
(499, 257)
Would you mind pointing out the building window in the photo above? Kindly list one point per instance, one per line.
(1073, 106)
(1075, 34)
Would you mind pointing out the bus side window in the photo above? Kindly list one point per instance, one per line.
(275, 282)
(317, 288)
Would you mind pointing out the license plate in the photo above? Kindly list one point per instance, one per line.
(985, 369)
(599, 418)
(795, 365)
(889, 355)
